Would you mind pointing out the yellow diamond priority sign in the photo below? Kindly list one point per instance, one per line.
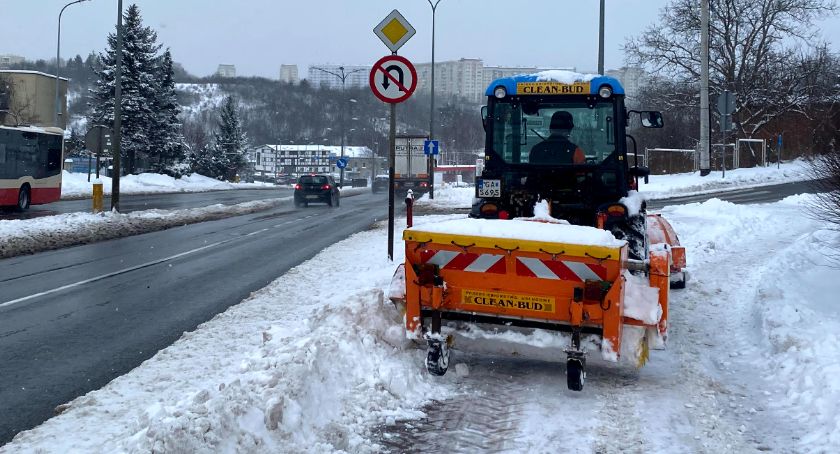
(394, 30)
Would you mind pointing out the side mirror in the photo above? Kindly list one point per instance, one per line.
(484, 117)
(651, 119)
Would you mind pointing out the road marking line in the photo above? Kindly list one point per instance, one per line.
(115, 273)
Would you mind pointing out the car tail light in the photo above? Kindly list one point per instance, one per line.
(297, 186)
(326, 186)
(423, 184)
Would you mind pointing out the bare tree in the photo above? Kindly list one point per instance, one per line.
(765, 51)
(15, 101)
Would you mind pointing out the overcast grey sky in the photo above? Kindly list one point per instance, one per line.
(258, 35)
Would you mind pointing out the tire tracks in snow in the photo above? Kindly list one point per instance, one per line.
(483, 418)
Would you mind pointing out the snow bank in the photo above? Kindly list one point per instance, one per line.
(76, 185)
(801, 316)
(664, 186)
(28, 236)
(448, 197)
(785, 277)
(516, 229)
(303, 365)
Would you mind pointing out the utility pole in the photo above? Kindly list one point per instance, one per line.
(431, 161)
(342, 76)
(115, 176)
(601, 41)
(705, 166)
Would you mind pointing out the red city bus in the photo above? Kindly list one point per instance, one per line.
(30, 165)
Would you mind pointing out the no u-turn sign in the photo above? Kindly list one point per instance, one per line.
(393, 79)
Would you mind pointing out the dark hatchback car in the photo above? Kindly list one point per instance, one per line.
(380, 183)
(316, 188)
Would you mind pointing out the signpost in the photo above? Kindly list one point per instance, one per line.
(725, 107)
(431, 147)
(393, 79)
(98, 140)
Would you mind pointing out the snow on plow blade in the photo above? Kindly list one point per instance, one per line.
(507, 272)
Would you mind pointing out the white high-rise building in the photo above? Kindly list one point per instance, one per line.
(357, 76)
(289, 74)
(226, 71)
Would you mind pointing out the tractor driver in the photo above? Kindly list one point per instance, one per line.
(557, 148)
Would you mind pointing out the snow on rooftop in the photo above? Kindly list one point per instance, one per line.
(26, 71)
(564, 76)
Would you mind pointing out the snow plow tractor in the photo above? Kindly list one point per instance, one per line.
(557, 238)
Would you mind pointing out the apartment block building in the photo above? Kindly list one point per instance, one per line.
(289, 74)
(226, 71)
(29, 96)
(269, 161)
(466, 78)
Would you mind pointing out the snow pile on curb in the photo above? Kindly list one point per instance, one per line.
(448, 197)
(75, 185)
(661, 186)
(303, 365)
(28, 236)
(664, 186)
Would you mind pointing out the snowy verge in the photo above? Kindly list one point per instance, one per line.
(660, 186)
(303, 365)
(771, 271)
(77, 186)
(28, 236)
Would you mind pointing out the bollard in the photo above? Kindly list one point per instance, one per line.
(409, 211)
(98, 196)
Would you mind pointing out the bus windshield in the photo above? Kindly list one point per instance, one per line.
(546, 133)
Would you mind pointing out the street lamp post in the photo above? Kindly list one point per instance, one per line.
(432, 112)
(342, 75)
(58, 61)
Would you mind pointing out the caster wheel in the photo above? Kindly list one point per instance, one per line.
(437, 358)
(575, 374)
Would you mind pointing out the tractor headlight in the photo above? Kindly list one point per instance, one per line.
(605, 92)
(500, 92)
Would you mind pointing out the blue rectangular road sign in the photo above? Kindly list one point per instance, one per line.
(431, 147)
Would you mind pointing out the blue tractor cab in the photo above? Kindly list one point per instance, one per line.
(558, 136)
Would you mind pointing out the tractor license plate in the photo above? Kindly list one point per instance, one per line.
(489, 188)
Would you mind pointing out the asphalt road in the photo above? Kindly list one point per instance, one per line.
(73, 319)
(171, 201)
